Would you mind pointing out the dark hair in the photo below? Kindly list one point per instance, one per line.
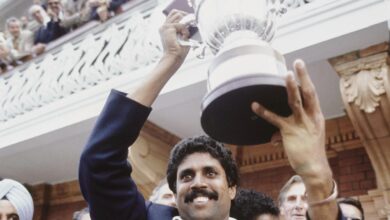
(201, 144)
(353, 202)
(249, 204)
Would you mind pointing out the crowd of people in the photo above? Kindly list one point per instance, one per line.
(48, 20)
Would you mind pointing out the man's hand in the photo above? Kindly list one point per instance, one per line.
(174, 55)
(53, 16)
(169, 33)
(303, 133)
(303, 136)
(39, 48)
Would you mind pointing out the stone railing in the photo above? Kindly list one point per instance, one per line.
(119, 48)
(295, 3)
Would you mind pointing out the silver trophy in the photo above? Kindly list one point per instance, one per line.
(245, 68)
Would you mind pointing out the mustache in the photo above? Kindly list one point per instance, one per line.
(189, 197)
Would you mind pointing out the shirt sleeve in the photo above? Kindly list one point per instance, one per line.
(104, 172)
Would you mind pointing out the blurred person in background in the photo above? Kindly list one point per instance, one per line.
(76, 13)
(40, 17)
(252, 205)
(55, 10)
(292, 198)
(104, 9)
(21, 42)
(24, 22)
(5, 59)
(16, 202)
(102, 12)
(33, 24)
(162, 194)
(49, 29)
(351, 208)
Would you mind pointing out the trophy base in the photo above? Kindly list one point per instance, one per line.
(226, 110)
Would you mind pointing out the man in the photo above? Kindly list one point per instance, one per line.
(293, 199)
(252, 205)
(15, 201)
(351, 208)
(55, 10)
(162, 194)
(103, 9)
(5, 58)
(21, 42)
(201, 172)
(70, 15)
(48, 29)
(76, 13)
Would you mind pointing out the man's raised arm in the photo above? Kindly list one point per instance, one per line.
(174, 55)
(303, 137)
(104, 173)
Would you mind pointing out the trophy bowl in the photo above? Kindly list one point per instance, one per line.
(245, 69)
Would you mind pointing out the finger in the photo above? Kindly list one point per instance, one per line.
(184, 32)
(267, 115)
(173, 27)
(181, 29)
(309, 93)
(175, 16)
(294, 96)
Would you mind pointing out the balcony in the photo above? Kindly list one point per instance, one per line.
(48, 106)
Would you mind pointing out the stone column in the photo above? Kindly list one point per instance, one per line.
(365, 90)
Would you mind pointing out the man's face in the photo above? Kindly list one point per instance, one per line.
(54, 5)
(165, 196)
(295, 205)
(350, 211)
(7, 211)
(14, 29)
(38, 16)
(202, 188)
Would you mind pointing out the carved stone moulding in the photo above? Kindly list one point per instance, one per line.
(365, 89)
(364, 85)
(363, 81)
